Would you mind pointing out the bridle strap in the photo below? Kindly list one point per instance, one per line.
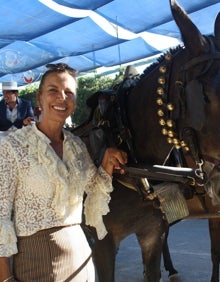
(188, 133)
(200, 59)
(191, 138)
(212, 160)
(213, 55)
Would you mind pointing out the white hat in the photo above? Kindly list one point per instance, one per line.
(130, 72)
(12, 85)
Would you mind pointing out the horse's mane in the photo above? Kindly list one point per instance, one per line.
(160, 59)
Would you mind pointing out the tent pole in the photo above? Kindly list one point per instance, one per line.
(119, 50)
(94, 61)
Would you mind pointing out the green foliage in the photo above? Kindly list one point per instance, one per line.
(87, 85)
(29, 93)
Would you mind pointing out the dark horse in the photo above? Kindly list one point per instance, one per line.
(174, 107)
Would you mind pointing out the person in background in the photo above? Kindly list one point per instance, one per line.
(1, 96)
(15, 112)
(46, 171)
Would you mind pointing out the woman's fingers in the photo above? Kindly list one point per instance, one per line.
(113, 159)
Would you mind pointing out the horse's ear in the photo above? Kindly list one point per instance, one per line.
(217, 31)
(195, 105)
(192, 38)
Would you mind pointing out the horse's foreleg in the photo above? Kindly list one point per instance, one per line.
(151, 249)
(168, 264)
(104, 257)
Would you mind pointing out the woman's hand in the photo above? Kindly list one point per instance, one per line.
(113, 159)
(28, 121)
(4, 268)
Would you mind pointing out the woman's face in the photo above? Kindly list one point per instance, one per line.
(57, 97)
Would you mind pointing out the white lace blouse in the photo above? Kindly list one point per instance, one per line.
(43, 191)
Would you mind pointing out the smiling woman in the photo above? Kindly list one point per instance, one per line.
(50, 170)
(56, 98)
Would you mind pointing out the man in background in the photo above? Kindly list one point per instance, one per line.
(15, 112)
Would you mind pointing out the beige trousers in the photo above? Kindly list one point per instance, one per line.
(59, 254)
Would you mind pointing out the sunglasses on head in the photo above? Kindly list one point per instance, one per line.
(61, 67)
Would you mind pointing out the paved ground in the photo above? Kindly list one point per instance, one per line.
(189, 247)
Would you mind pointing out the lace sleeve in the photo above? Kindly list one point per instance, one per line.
(97, 186)
(97, 200)
(8, 176)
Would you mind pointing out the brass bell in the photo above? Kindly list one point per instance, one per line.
(170, 106)
(186, 149)
(163, 69)
(162, 122)
(170, 123)
(182, 143)
(161, 80)
(169, 140)
(160, 113)
(170, 133)
(175, 141)
(177, 146)
(164, 131)
(160, 91)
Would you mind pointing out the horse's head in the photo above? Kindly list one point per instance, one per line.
(176, 104)
(201, 84)
(199, 80)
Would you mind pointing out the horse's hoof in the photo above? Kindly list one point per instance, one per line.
(174, 278)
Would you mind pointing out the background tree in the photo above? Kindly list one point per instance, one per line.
(29, 93)
(86, 87)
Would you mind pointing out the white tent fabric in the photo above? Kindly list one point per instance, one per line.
(89, 34)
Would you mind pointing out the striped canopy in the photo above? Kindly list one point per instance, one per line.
(88, 34)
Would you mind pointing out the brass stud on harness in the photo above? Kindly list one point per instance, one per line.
(182, 143)
(164, 131)
(170, 123)
(170, 133)
(163, 69)
(170, 106)
(175, 141)
(162, 122)
(168, 57)
(169, 140)
(161, 80)
(160, 113)
(159, 102)
(160, 91)
(177, 146)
